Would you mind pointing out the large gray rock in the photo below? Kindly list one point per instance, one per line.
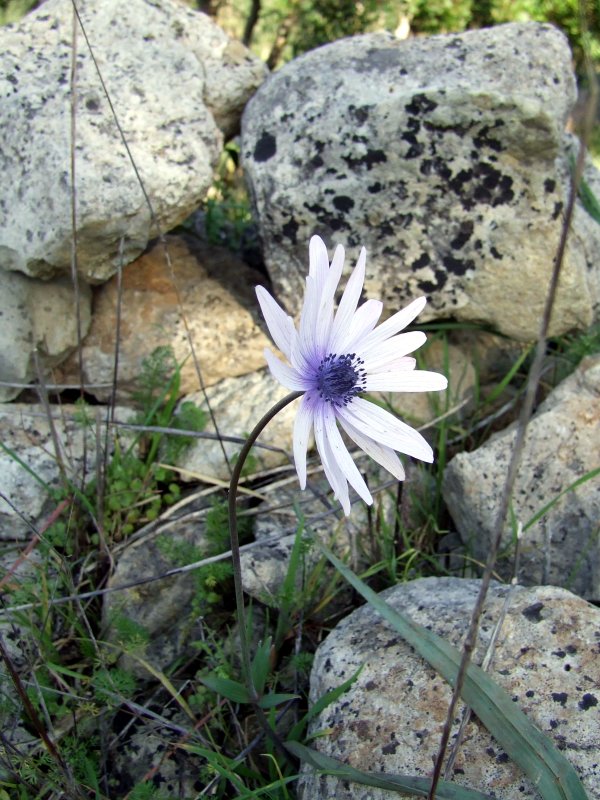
(157, 623)
(391, 718)
(30, 461)
(164, 295)
(444, 156)
(177, 84)
(37, 316)
(562, 445)
(237, 405)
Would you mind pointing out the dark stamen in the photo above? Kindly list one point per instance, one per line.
(340, 378)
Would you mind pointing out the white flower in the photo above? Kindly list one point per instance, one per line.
(333, 358)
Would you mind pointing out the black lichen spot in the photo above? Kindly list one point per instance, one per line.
(422, 261)
(462, 237)
(530, 693)
(316, 162)
(457, 266)
(415, 150)
(558, 207)
(290, 230)
(389, 749)
(532, 613)
(549, 185)
(375, 188)
(359, 113)
(498, 256)
(265, 148)
(435, 166)
(483, 138)
(501, 758)
(370, 158)
(370, 685)
(459, 180)
(560, 697)
(559, 653)
(420, 104)
(343, 203)
(493, 187)
(588, 701)
(554, 723)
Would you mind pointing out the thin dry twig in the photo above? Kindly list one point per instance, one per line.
(535, 373)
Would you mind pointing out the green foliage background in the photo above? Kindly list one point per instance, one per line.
(279, 30)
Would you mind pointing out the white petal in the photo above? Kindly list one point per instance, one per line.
(324, 319)
(378, 452)
(342, 456)
(302, 428)
(287, 376)
(418, 380)
(332, 470)
(307, 335)
(318, 261)
(383, 427)
(280, 325)
(379, 355)
(348, 304)
(395, 323)
(363, 322)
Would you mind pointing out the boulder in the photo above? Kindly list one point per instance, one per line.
(392, 716)
(169, 291)
(177, 85)
(237, 405)
(29, 313)
(34, 448)
(562, 445)
(453, 174)
(157, 623)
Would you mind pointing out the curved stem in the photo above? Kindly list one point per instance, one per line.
(235, 555)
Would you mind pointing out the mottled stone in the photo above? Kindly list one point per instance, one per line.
(163, 610)
(453, 174)
(29, 314)
(177, 84)
(26, 432)
(237, 405)
(166, 294)
(392, 717)
(561, 446)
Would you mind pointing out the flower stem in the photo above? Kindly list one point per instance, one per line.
(237, 566)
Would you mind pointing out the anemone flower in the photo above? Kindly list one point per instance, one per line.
(333, 358)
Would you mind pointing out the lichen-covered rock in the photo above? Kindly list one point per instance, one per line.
(166, 294)
(37, 316)
(450, 170)
(177, 85)
(30, 466)
(237, 405)
(561, 446)
(156, 623)
(392, 717)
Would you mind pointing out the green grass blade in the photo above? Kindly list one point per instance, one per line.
(407, 784)
(554, 777)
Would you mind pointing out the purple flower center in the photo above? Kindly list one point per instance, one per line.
(340, 378)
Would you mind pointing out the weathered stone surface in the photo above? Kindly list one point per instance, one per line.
(392, 717)
(214, 290)
(562, 445)
(177, 84)
(25, 431)
(265, 562)
(161, 610)
(29, 313)
(238, 404)
(452, 173)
